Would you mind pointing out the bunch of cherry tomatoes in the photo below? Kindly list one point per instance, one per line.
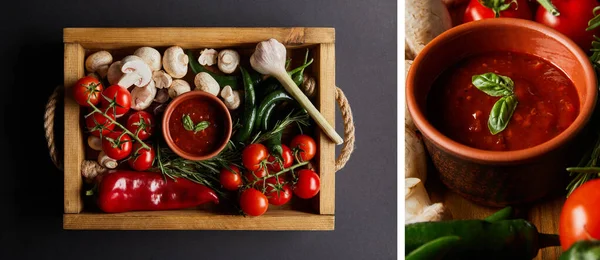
(128, 142)
(572, 19)
(272, 180)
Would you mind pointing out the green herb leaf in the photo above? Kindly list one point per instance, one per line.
(493, 84)
(188, 124)
(501, 113)
(201, 126)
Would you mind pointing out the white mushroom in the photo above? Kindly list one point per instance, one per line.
(114, 72)
(175, 62)
(95, 143)
(141, 98)
(136, 72)
(179, 87)
(151, 56)
(162, 79)
(98, 62)
(228, 61)
(106, 161)
(418, 206)
(162, 95)
(415, 159)
(206, 83)
(231, 97)
(208, 57)
(425, 19)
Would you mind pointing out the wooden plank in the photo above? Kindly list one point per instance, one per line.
(326, 104)
(73, 144)
(114, 38)
(198, 220)
(545, 216)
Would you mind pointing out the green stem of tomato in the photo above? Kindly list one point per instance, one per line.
(549, 7)
(584, 169)
(135, 137)
(277, 173)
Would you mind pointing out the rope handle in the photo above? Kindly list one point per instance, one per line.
(341, 99)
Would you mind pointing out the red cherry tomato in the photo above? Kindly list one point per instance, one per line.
(117, 98)
(141, 121)
(253, 202)
(98, 124)
(580, 215)
(231, 179)
(142, 158)
(484, 9)
(305, 146)
(253, 155)
(308, 184)
(278, 193)
(115, 147)
(572, 21)
(87, 88)
(287, 159)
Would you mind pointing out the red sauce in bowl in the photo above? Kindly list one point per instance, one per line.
(547, 102)
(201, 142)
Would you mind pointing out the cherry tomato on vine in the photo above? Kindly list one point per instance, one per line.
(572, 21)
(87, 88)
(580, 214)
(484, 9)
(231, 179)
(115, 147)
(278, 193)
(305, 145)
(253, 155)
(117, 98)
(255, 175)
(253, 202)
(142, 158)
(287, 159)
(308, 184)
(97, 123)
(141, 121)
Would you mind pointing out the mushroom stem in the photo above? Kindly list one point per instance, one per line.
(129, 79)
(231, 98)
(106, 161)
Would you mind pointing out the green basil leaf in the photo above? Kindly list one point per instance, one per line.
(201, 126)
(501, 113)
(188, 124)
(493, 84)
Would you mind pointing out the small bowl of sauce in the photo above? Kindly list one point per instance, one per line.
(196, 125)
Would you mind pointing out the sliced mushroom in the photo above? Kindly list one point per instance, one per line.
(206, 83)
(114, 72)
(175, 62)
(208, 57)
(231, 97)
(141, 98)
(136, 72)
(98, 62)
(151, 56)
(179, 87)
(106, 161)
(162, 79)
(228, 61)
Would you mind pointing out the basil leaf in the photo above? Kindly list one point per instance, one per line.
(501, 113)
(493, 84)
(188, 124)
(201, 126)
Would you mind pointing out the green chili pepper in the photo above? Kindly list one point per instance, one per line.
(249, 115)
(583, 250)
(480, 239)
(435, 249)
(266, 87)
(297, 74)
(502, 214)
(265, 113)
(223, 80)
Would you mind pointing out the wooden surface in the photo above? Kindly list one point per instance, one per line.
(79, 40)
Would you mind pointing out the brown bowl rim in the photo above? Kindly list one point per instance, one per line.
(167, 133)
(487, 156)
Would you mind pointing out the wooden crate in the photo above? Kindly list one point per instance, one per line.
(78, 41)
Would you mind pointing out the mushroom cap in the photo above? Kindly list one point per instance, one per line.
(141, 98)
(228, 61)
(162, 79)
(114, 72)
(179, 87)
(207, 83)
(208, 57)
(151, 56)
(98, 61)
(175, 62)
(135, 64)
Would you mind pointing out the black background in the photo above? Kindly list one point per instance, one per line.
(31, 187)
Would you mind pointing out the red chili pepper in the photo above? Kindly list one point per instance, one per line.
(122, 191)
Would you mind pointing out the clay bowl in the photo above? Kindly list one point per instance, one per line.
(221, 110)
(499, 178)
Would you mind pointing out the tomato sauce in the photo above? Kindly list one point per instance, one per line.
(547, 102)
(202, 142)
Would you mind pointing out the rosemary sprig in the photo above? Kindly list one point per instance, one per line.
(587, 169)
(300, 118)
